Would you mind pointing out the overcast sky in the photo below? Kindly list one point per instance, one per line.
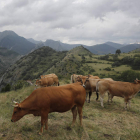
(86, 22)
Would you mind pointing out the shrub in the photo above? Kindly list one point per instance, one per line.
(6, 88)
(107, 69)
(136, 64)
(91, 70)
(116, 64)
(19, 85)
(129, 76)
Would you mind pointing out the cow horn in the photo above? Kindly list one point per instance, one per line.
(15, 102)
(136, 78)
(15, 105)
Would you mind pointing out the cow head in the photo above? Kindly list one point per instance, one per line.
(18, 112)
(83, 80)
(37, 83)
(136, 81)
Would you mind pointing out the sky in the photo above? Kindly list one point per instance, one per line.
(87, 22)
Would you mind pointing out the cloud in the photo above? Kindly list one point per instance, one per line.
(76, 21)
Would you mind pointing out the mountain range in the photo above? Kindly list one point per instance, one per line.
(21, 45)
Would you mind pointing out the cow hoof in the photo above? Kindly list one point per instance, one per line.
(40, 133)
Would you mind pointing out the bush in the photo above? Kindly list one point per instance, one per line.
(136, 64)
(19, 85)
(91, 70)
(107, 69)
(116, 64)
(129, 76)
(6, 88)
(104, 57)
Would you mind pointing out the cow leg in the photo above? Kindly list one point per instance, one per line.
(74, 112)
(80, 114)
(111, 98)
(129, 103)
(90, 93)
(44, 121)
(86, 96)
(97, 94)
(101, 100)
(108, 97)
(126, 101)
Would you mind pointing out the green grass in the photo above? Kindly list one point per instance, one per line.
(109, 123)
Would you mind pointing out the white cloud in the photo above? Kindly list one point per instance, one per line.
(76, 21)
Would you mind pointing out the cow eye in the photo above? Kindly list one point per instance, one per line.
(15, 112)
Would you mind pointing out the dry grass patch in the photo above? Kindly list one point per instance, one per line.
(111, 122)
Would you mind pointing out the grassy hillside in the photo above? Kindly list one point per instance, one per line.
(33, 65)
(79, 60)
(109, 123)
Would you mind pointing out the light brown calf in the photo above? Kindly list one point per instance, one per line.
(54, 76)
(45, 82)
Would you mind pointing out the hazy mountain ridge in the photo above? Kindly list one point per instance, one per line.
(115, 45)
(130, 47)
(11, 41)
(101, 49)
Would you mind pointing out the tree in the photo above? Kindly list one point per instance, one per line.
(118, 51)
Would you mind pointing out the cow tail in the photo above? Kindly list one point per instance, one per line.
(97, 90)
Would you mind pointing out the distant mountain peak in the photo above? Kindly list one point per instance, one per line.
(115, 45)
(8, 32)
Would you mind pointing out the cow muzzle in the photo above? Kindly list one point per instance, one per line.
(84, 86)
(12, 121)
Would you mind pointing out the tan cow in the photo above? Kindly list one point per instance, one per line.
(93, 77)
(49, 75)
(54, 76)
(43, 101)
(74, 77)
(125, 90)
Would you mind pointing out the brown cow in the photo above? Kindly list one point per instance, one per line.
(45, 82)
(125, 90)
(89, 86)
(43, 101)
